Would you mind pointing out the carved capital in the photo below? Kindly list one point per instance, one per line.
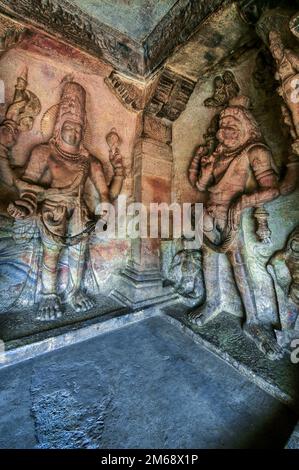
(65, 18)
(127, 91)
(171, 96)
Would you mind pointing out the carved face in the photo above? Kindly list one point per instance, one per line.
(218, 82)
(71, 133)
(232, 134)
(294, 246)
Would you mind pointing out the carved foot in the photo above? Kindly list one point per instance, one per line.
(264, 338)
(203, 315)
(49, 308)
(80, 302)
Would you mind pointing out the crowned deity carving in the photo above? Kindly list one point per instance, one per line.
(53, 189)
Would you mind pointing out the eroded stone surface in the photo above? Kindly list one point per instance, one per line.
(224, 336)
(144, 386)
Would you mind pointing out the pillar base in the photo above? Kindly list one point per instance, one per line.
(139, 288)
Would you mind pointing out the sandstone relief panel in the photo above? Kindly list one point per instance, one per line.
(239, 174)
(53, 188)
(245, 173)
(66, 145)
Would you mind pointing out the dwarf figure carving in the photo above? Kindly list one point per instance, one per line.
(239, 174)
(225, 88)
(53, 189)
(284, 269)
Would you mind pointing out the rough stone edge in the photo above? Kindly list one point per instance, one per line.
(29, 351)
(269, 387)
(293, 442)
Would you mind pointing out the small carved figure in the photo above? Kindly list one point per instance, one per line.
(284, 269)
(19, 117)
(186, 273)
(287, 73)
(52, 189)
(239, 174)
(231, 86)
(263, 231)
(225, 88)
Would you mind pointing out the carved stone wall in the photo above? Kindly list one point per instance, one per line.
(76, 132)
(283, 212)
(46, 66)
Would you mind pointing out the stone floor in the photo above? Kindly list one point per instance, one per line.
(145, 385)
(224, 336)
(18, 325)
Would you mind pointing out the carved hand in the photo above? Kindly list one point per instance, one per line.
(15, 109)
(206, 161)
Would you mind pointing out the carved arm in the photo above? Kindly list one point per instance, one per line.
(195, 164)
(263, 167)
(28, 185)
(118, 176)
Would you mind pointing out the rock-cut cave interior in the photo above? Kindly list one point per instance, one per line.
(149, 224)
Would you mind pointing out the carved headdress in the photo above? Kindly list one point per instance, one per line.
(72, 107)
(238, 110)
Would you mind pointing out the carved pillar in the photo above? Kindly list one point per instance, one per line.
(161, 102)
(141, 282)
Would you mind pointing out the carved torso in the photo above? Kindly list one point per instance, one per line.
(50, 168)
(232, 175)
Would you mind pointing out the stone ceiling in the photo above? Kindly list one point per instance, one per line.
(134, 18)
(135, 36)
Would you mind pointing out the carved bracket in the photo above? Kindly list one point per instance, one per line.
(10, 34)
(127, 91)
(171, 96)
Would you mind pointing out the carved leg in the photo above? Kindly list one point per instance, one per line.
(262, 335)
(212, 306)
(78, 300)
(50, 304)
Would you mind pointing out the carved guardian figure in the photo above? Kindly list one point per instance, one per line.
(239, 174)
